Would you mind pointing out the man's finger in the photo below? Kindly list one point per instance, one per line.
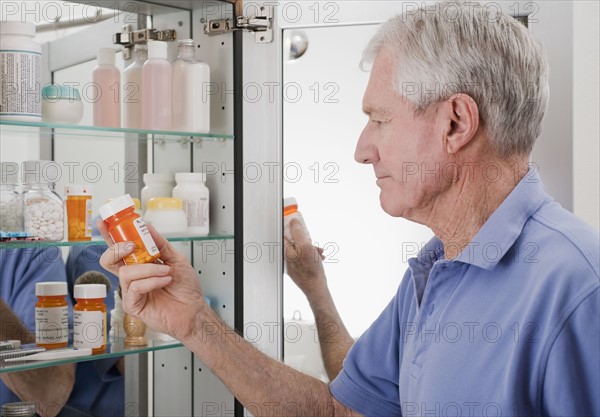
(140, 288)
(111, 259)
(129, 274)
(167, 253)
(101, 226)
(298, 232)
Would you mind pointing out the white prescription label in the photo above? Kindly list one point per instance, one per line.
(20, 88)
(89, 329)
(51, 325)
(146, 237)
(88, 218)
(197, 212)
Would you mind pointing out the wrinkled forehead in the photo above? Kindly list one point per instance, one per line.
(381, 89)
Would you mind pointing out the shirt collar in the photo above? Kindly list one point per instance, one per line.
(504, 226)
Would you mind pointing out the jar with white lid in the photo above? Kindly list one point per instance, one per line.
(156, 185)
(192, 190)
(166, 215)
(43, 208)
(11, 201)
(61, 104)
(20, 69)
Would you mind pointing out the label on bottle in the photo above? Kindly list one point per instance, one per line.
(20, 75)
(144, 233)
(197, 212)
(89, 329)
(88, 217)
(51, 325)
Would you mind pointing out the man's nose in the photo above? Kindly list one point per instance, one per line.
(366, 152)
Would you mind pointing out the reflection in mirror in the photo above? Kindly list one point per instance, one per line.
(338, 197)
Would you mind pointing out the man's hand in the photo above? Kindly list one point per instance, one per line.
(167, 297)
(304, 261)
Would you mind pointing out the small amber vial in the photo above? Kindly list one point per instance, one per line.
(125, 225)
(89, 317)
(51, 315)
(79, 212)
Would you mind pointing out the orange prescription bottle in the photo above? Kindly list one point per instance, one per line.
(125, 225)
(79, 212)
(290, 211)
(51, 315)
(89, 317)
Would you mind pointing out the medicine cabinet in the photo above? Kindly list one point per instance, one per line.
(114, 160)
(240, 263)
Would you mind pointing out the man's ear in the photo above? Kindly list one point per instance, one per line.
(461, 121)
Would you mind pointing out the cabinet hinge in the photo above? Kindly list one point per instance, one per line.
(261, 24)
(129, 38)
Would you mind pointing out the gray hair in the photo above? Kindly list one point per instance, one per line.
(458, 47)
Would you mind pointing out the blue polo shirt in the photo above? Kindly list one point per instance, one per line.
(511, 327)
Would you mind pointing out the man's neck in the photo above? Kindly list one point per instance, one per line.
(457, 214)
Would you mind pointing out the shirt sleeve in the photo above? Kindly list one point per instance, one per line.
(368, 382)
(571, 384)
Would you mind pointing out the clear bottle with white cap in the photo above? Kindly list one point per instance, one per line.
(191, 104)
(157, 88)
(192, 190)
(43, 208)
(132, 89)
(11, 202)
(20, 69)
(107, 83)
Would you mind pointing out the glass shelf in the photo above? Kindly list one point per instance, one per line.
(97, 131)
(99, 241)
(113, 350)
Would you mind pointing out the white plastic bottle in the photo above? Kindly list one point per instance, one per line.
(20, 69)
(156, 185)
(191, 104)
(157, 88)
(107, 79)
(196, 201)
(132, 89)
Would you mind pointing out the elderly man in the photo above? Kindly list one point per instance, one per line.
(498, 314)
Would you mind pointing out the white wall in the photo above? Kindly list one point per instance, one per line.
(586, 108)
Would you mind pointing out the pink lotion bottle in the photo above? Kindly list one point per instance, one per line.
(157, 88)
(107, 79)
(132, 89)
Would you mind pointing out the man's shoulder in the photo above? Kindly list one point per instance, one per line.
(561, 237)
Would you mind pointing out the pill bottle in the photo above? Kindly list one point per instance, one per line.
(167, 216)
(125, 225)
(79, 212)
(11, 201)
(89, 317)
(156, 185)
(43, 208)
(196, 201)
(20, 72)
(290, 211)
(51, 315)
